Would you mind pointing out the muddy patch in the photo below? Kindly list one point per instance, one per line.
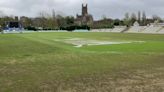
(80, 42)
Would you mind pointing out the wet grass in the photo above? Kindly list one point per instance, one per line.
(36, 62)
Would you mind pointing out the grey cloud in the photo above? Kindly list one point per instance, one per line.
(110, 8)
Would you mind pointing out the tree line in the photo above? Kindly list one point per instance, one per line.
(51, 21)
(128, 20)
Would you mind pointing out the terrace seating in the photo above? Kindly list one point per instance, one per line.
(101, 30)
(95, 30)
(161, 31)
(118, 29)
(106, 30)
(136, 29)
(151, 29)
(80, 31)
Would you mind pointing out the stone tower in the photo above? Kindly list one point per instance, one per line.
(84, 10)
(85, 18)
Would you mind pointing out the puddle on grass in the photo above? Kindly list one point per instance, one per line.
(80, 42)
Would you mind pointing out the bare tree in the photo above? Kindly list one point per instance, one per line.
(139, 17)
(156, 18)
(127, 19)
(144, 18)
(133, 16)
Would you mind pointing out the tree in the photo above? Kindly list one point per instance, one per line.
(26, 22)
(157, 18)
(139, 17)
(53, 14)
(69, 20)
(47, 20)
(116, 22)
(127, 16)
(61, 21)
(144, 19)
(133, 18)
(126, 20)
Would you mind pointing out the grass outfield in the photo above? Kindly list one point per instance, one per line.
(43, 62)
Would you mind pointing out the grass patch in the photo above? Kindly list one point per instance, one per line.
(37, 62)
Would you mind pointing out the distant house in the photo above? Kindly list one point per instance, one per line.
(136, 24)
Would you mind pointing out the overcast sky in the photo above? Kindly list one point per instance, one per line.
(98, 8)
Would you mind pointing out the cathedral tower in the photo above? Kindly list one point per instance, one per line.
(84, 10)
(85, 18)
